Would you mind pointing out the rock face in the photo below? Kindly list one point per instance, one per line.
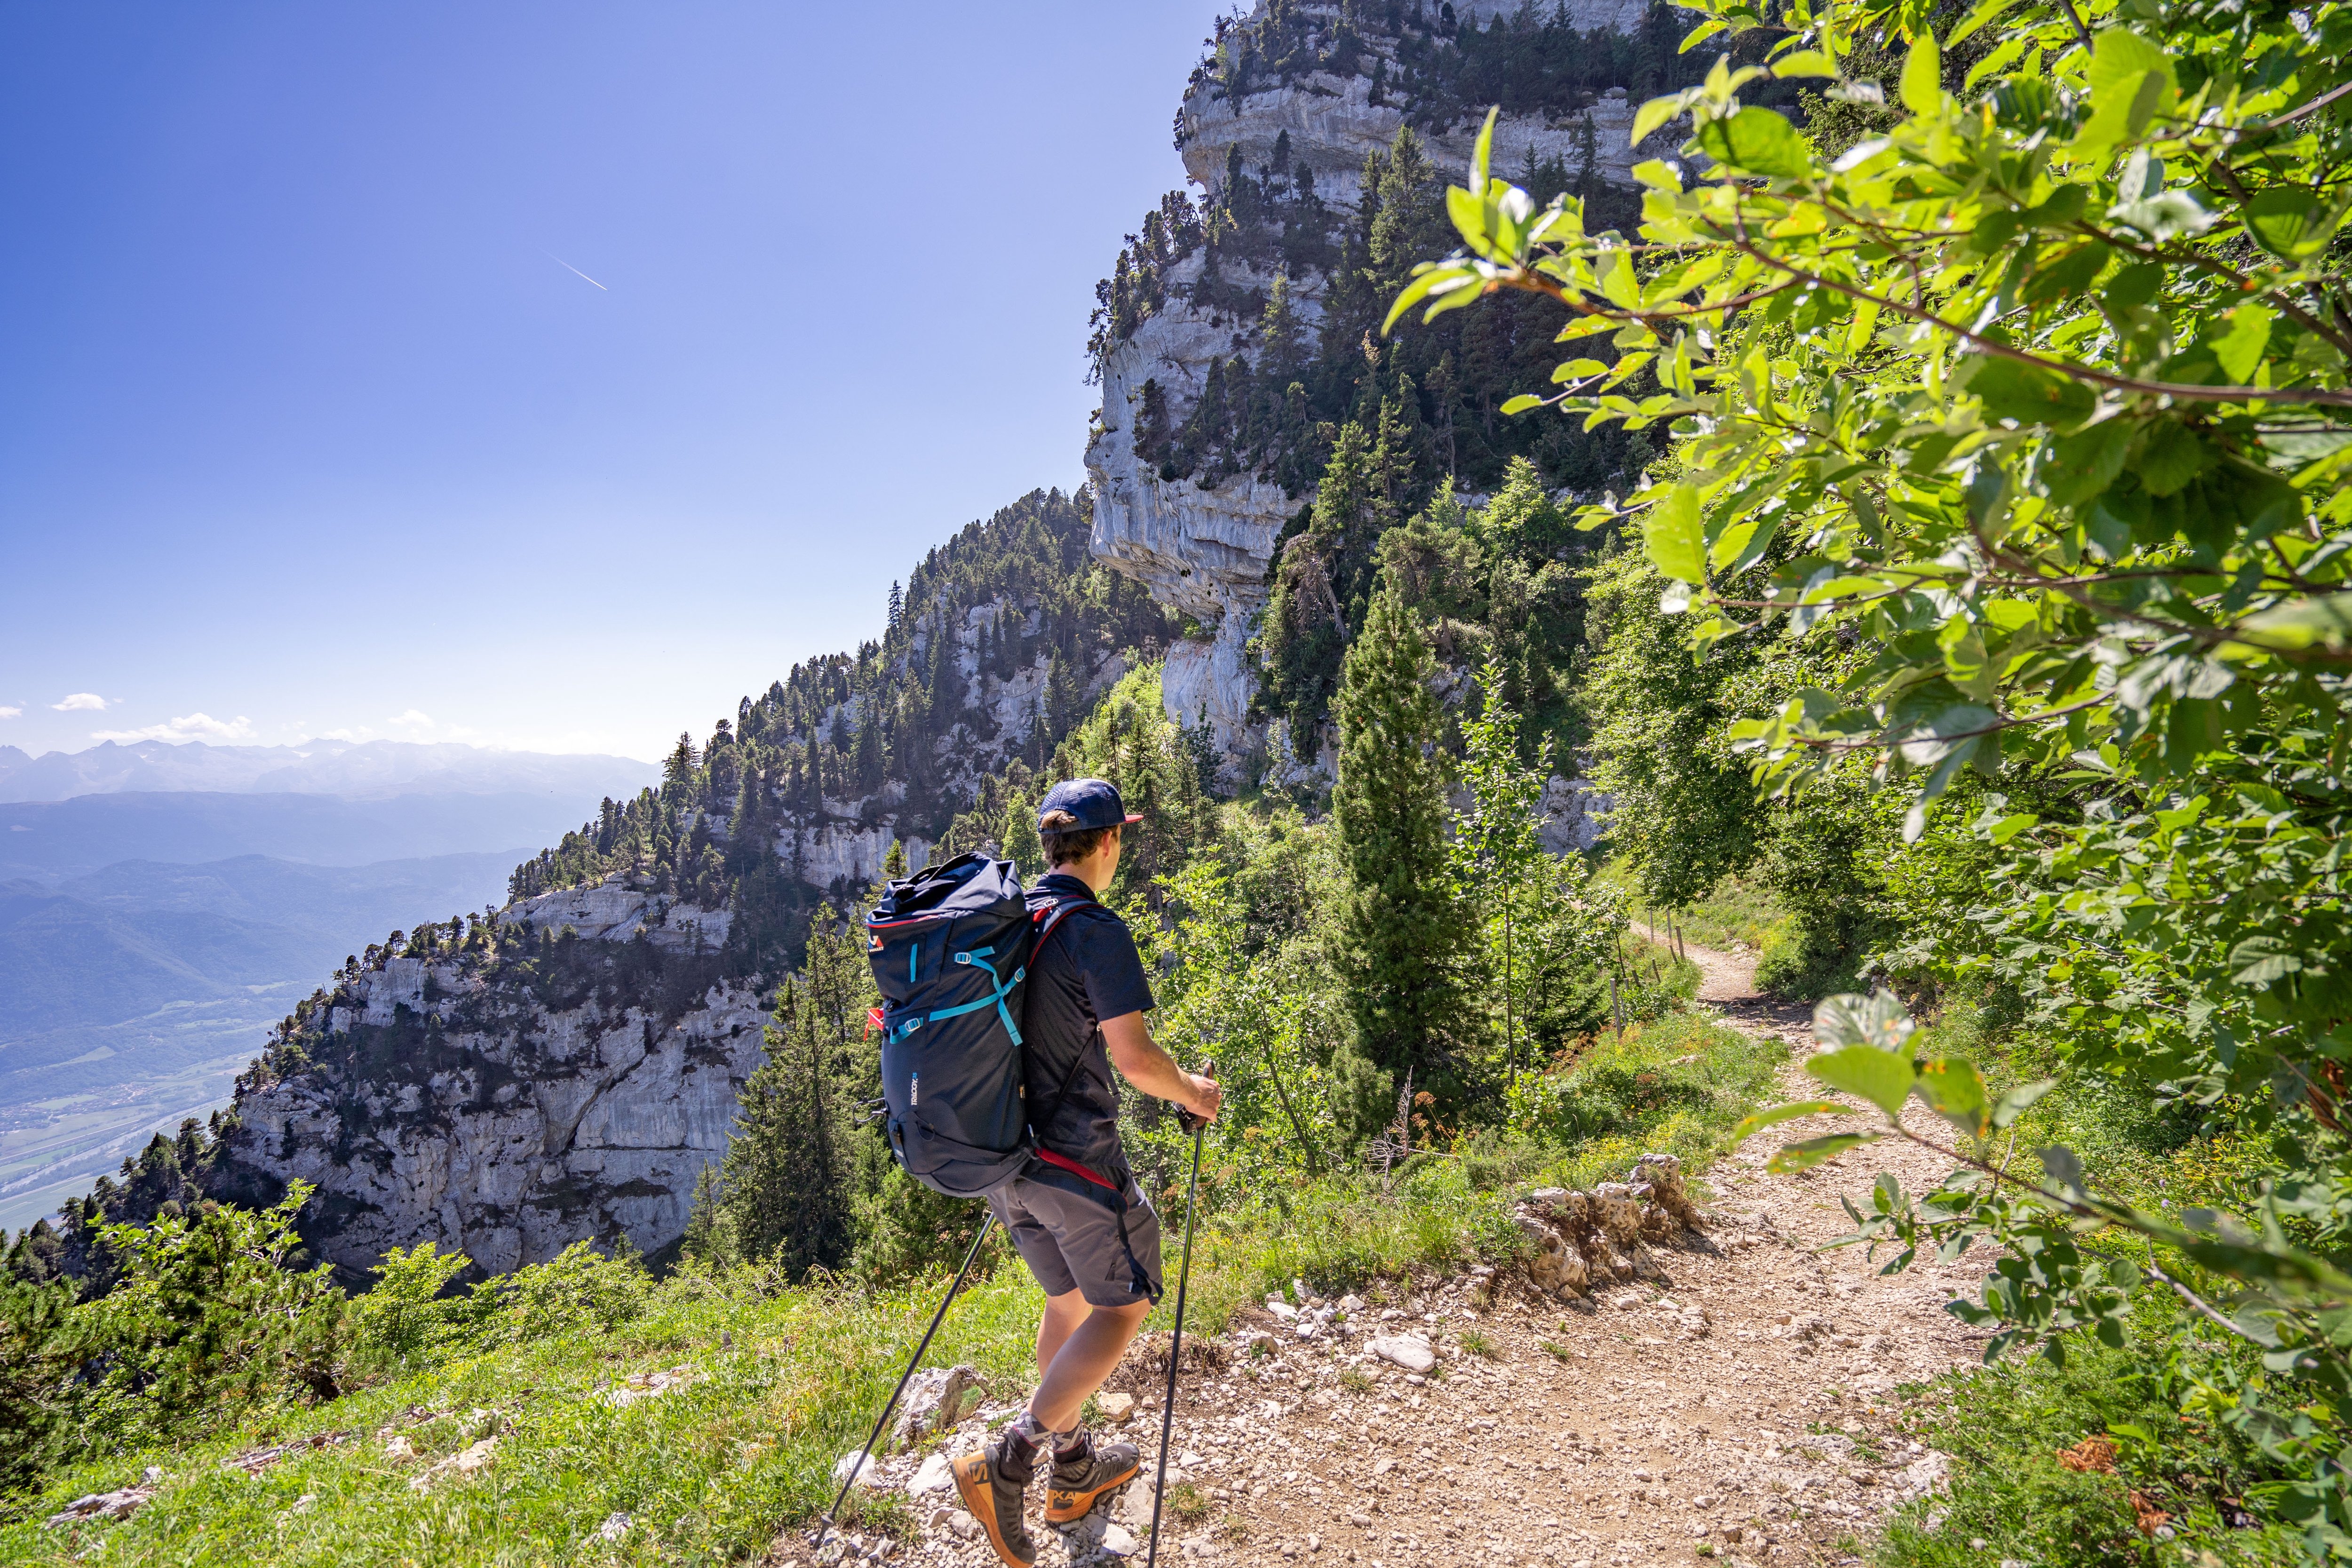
(505, 1126)
(1205, 550)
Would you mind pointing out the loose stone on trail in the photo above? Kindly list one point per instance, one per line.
(1413, 1354)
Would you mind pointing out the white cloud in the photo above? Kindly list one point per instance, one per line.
(12, 712)
(355, 736)
(80, 702)
(193, 727)
(412, 719)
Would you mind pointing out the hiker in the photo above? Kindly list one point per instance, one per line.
(1076, 1213)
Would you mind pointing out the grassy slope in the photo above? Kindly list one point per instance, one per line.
(713, 1470)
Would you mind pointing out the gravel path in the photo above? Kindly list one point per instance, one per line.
(1737, 1408)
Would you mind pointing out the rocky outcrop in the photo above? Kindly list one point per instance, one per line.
(450, 1107)
(1206, 549)
(1584, 1241)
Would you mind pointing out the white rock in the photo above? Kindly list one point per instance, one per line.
(936, 1474)
(1119, 1540)
(869, 1473)
(1409, 1351)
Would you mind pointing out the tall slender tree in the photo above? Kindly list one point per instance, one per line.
(1403, 936)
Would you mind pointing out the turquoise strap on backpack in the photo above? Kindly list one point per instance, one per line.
(994, 998)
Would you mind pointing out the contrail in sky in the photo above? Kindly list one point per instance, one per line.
(569, 268)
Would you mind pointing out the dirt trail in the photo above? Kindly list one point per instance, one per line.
(1734, 1408)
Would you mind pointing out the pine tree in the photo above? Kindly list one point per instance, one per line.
(1403, 936)
(1497, 850)
(680, 767)
(709, 1237)
(786, 1175)
(1282, 337)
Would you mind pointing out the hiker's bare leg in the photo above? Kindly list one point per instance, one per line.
(1077, 1346)
(1064, 1313)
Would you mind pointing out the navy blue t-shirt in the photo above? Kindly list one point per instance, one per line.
(1087, 970)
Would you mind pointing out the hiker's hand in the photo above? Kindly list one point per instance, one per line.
(1206, 1097)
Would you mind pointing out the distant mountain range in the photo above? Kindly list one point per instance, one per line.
(161, 904)
(130, 996)
(367, 770)
(46, 841)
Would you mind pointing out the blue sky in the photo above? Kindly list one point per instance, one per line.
(307, 424)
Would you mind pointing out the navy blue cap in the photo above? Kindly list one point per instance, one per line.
(1094, 802)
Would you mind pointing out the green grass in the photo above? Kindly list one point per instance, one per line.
(2004, 1426)
(791, 1377)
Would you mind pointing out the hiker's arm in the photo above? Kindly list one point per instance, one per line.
(1153, 1070)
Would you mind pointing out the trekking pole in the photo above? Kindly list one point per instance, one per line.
(1197, 1126)
(826, 1520)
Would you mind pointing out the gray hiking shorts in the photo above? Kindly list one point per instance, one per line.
(1068, 1232)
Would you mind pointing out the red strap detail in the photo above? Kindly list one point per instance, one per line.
(873, 1019)
(1050, 918)
(1065, 1162)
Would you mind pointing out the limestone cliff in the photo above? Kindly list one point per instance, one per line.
(1294, 104)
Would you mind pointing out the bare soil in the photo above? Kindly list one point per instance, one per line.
(1737, 1408)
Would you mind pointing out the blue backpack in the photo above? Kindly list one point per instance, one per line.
(948, 946)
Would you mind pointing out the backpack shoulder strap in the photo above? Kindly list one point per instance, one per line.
(1045, 921)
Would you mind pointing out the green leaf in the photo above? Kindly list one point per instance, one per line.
(2131, 81)
(2078, 467)
(1431, 278)
(2261, 959)
(1522, 402)
(1469, 215)
(1923, 75)
(1758, 141)
(1882, 1077)
(2168, 215)
(2009, 827)
(2169, 455)
(1676, 542)
(1696, 36)
(1804, 62)
(2240, 348)
(1751, 1125)
(2013, 1104)
(1655, 113)
(1479, 154)
(1814, 1150)
(2028, 393)
(2063, 1166)
(1955, 1090)
(1878, 1021)
(1742, 543)
(2293, 224)
(2325, 620)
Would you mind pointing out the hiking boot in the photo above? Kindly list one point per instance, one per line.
(1084, 1477)
(993, 1484)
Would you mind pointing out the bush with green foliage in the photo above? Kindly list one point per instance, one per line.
(2034, 402)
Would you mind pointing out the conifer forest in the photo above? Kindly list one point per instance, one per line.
(1905, 521)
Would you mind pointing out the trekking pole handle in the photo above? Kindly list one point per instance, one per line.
(1186, 1119)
